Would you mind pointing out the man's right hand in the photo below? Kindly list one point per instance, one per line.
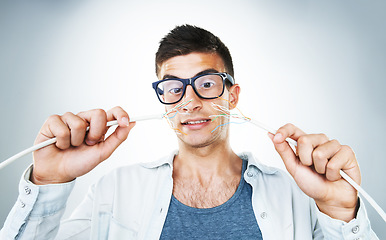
(77, 151)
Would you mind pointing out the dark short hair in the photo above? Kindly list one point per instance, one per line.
(186, 39)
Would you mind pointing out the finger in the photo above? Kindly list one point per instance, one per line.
(124, 123)
(55, 127)
(77, 128)
(121, 132)
(117, 113)
(344, 160)
(286, 153)
(284, 149)
(306, 146)
(323, 153)
(97, 120)
(287, 131)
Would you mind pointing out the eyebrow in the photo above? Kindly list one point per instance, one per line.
(210, 70)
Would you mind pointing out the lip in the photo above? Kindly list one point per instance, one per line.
(196, 123)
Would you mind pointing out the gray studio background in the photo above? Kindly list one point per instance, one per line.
(318, 64)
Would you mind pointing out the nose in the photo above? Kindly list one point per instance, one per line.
(195, 101)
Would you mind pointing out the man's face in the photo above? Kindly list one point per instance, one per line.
(195, 121)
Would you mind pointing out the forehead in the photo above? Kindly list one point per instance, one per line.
(187, 66)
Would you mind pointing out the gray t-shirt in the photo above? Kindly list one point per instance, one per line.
(232, 220)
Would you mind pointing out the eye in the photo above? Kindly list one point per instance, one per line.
(207, 85)
(175, 90)
(172, 87)
(208, 82)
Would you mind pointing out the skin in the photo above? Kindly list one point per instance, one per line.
(315, 168)
(206, 167)
(75, 152)
(206, 170)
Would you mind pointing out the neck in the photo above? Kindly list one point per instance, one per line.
(206, 177)
(214, 160)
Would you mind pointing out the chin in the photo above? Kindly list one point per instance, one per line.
(199, 144)
(200, 141)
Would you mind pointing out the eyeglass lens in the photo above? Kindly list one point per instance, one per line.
(207, 86)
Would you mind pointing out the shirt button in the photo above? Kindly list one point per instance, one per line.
(250, 174)
(263, 215)
(22, 205)
(355, 229)
(27, 190)
(160, 211)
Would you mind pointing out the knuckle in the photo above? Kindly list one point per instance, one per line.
(67, 114)
(53, 118)
(318, 154)
(80, 113)
(63, 133)
(348, 150)
(323, 136)
(118, 111)
(79, 125)
(304, 140)
(332, 167)
(335, 142)
(117, 108)
(99, 112)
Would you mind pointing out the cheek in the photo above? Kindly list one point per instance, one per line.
(219, 107)
(220, 112)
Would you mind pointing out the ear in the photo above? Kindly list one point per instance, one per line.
(234, 92)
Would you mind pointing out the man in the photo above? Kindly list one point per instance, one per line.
(202, 191)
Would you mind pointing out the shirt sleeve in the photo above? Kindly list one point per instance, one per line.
(37, 211)
(358, 228)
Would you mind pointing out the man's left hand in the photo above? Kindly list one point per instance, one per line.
(315, 167)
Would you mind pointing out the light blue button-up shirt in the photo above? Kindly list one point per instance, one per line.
(132, 203)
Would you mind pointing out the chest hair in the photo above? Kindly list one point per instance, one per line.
(197, 194)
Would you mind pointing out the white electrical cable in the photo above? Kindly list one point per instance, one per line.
(343, 174)
(53, 140)
(160, 116)
(271, 130)
(364, 194)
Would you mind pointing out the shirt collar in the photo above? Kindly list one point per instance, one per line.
(162, 161)
(252, 161)
(255, 163)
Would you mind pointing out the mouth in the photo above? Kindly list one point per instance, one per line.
(195, 122)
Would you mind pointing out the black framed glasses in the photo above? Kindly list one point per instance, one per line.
(206, 86)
